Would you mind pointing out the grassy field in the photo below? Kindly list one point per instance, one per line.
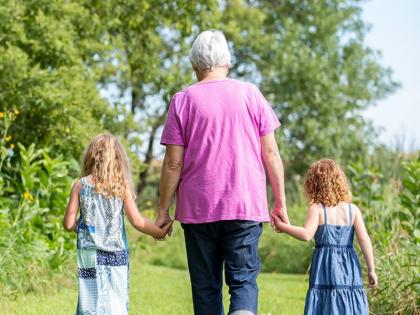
(164, 291)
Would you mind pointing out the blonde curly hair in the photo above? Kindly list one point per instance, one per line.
(106, 160)
(326, 183)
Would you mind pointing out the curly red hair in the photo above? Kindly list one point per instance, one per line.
(326, 183)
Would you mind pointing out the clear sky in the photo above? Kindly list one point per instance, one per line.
(396, 33)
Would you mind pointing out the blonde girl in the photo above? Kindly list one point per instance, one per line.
(103, 194)
(335, 283)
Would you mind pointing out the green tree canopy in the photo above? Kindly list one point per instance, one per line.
(310, 60)
(308, 57)
(47, 49)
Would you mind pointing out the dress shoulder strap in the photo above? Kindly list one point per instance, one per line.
(350, 215)
(325, 214)
(85, 181)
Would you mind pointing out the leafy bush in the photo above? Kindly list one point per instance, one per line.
(398, 260)
(33, 193)
(409, 199)
(391, 213)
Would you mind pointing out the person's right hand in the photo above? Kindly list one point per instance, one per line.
(162, 220)
(164, 230)
(373, 279)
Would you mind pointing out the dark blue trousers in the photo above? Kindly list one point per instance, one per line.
(234, 244)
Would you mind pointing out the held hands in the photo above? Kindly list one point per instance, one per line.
(164, 221)
(278, 224)
(373, 279)
(164, 230)
(279, 218)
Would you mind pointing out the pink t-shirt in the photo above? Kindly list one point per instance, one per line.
(220, 123)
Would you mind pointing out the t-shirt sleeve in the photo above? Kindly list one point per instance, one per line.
(268, 121)
(172, 131)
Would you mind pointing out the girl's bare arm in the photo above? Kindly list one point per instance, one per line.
(364, 240)
(143, 224)
(366, 247)
(304, 233)
(70, 218)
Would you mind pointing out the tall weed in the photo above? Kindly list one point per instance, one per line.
(391, 211)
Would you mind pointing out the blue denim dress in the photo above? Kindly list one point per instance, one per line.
(335, 283)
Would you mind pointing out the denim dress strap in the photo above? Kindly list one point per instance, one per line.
(350, 215)
(325, 214)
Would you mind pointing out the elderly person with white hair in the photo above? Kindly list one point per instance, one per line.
(219, 136)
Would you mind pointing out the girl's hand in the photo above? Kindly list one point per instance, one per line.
(373, 279)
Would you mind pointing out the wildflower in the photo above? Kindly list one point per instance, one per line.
(1, 115)
(12, 146)
(17, 112)
(7, 138)
(28, 196)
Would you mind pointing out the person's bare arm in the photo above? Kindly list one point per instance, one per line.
(70, 218)
(169, 179)
(274, 167)
(366, 247)
(141, 223)
(304, 233)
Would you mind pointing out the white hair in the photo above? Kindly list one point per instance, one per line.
(210, 49)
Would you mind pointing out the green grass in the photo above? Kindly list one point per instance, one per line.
(159, 290)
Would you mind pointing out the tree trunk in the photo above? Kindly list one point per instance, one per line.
(147, 159)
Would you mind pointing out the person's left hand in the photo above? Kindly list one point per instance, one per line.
(280, 213)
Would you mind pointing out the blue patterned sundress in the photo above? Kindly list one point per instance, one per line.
(102, 254)
(335, 282)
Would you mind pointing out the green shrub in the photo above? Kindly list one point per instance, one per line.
(33, 194)
(391, 211)
(409, 200)
(398, 260)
